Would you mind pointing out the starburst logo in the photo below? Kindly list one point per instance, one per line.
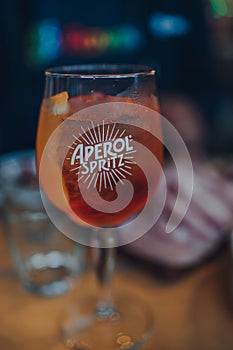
(102, 156)
(106, 164)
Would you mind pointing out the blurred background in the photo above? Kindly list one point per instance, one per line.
(188, 42)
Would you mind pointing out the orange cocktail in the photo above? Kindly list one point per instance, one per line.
(101, 173)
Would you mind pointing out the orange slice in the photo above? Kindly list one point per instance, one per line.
(58, 104)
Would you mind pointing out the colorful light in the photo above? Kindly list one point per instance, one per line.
(48, 40)
(44, 43)
(222, 8)
(165, 25)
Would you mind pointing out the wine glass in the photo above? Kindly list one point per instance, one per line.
(98, 135)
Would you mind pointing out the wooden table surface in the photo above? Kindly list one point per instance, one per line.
(192, 312)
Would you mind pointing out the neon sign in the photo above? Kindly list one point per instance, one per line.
(49, 40)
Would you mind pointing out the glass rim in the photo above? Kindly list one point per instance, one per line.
(108, 71)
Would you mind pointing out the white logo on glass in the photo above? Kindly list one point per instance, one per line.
(127, 115)
(101, 156)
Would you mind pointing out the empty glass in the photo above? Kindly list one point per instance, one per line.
(46, 261)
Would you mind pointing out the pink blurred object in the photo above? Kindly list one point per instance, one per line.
(207, 222)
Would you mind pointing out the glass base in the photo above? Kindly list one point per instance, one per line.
(128, 325)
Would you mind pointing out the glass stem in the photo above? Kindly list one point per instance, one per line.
(105, 266)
